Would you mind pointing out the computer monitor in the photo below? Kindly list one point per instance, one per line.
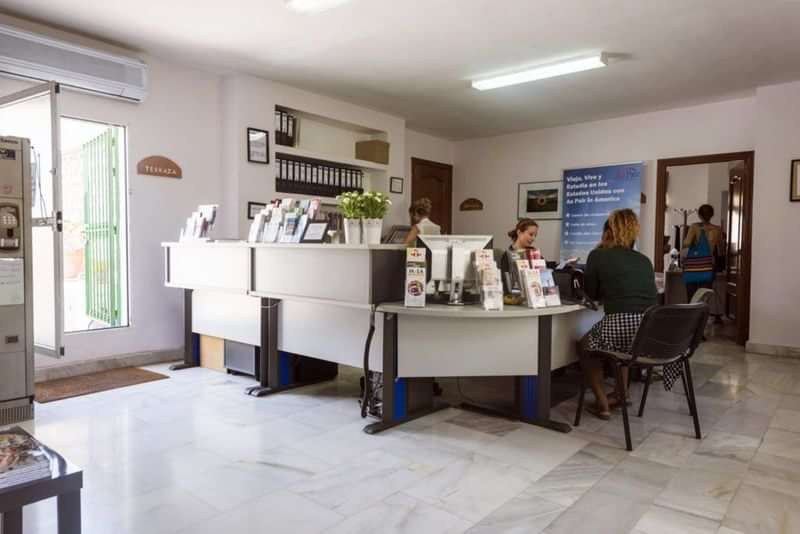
(450, 260)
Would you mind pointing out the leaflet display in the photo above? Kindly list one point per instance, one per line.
(590, 194)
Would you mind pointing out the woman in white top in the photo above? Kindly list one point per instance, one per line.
(421, 224)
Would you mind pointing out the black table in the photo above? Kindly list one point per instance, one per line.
(65, 483)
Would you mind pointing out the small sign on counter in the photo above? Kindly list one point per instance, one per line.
(415, 278)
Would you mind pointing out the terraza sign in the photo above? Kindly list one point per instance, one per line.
(159, 166)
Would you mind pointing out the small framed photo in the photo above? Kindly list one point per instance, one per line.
(794, 184)
(254, 208)
(539, 200)
(315, 232)
(396, 185)
(257, 146)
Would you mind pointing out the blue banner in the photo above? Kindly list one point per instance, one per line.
(590, 194)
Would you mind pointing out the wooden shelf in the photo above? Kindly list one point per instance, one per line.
(338, 160)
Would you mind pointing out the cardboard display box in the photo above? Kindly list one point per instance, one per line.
(375, 151)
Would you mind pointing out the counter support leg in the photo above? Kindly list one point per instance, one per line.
(543, 390)
(404, 399)
(191, 343)
(274, 368)
(268, 360)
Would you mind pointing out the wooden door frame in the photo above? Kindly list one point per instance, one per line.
(445, 166)
(743, 292)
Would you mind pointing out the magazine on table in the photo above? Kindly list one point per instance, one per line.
(22, 458)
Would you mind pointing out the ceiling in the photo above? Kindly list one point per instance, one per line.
(414, 58)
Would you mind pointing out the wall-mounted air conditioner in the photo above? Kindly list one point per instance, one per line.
(37, 57)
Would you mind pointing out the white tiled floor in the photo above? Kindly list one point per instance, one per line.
(194, 455)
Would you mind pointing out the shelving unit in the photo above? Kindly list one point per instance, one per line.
(361, 164)
(326, 142)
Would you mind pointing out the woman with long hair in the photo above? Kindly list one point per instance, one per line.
(623, 280)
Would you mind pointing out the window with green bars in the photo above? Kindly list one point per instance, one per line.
(102, 258)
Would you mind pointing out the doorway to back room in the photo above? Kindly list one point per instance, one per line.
(706, 203)
(95, 225)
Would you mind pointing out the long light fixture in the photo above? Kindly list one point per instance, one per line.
(313, 6)
(543, 71)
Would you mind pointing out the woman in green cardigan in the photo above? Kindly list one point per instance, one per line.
(622, 279)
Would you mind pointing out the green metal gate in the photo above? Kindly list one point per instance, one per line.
(100, 168)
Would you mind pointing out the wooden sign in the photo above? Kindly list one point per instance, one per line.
(471, 204)
(159, 166)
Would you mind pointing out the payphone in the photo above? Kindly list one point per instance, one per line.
(16, 296)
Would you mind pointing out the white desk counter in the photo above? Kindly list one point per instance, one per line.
(318, 301)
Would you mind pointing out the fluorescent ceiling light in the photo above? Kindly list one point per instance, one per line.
(313, 6)
(542, 72)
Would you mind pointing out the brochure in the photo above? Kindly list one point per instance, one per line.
(534, 293)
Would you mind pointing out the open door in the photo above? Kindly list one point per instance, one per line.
(33, 114)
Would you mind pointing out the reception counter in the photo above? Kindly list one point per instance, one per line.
(309, 308)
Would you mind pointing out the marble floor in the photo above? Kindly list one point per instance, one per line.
(194, 455)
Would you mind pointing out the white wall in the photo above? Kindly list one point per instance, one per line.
(424, 146)
(775, 315)
(687, 188)
(180, 119)
(491, 168)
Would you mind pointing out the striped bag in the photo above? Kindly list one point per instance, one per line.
(698, 266)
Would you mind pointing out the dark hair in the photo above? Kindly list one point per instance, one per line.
(521, 226)
(706, 212)
(421, 207)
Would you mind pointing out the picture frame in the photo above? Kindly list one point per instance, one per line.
(315, 232)
(794, 182)
(396, 185)
(253, 209)
(257, 146)
(540, 200)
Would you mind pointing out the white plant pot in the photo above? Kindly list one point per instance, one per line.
(373, 229)
(352, 231)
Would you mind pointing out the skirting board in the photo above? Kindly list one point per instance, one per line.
(773, 350)
(110, 362)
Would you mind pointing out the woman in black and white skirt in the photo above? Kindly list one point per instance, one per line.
(623, 280)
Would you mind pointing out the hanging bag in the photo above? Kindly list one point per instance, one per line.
(698, 266)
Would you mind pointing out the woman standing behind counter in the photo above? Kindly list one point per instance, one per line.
(623, 280)
(421, 224)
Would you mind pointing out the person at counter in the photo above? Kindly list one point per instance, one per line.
(622, 279)
(421, 224)
(522, 237)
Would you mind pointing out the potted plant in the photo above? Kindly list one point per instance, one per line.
(375, 205)
(352, 208)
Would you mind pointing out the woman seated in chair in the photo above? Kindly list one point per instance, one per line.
(622, 279)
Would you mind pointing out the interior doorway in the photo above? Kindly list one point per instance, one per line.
(724, 182)
(433, 180)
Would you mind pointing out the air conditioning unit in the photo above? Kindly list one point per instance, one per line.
(37, 57)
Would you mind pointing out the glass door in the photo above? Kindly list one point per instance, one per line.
(33, 114)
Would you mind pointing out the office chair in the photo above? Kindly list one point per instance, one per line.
(667, 334)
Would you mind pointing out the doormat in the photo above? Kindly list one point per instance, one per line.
(75, 386)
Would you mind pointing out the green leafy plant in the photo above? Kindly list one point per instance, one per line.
(375, 204)
(351, 205)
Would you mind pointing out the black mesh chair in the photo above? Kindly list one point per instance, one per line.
(667, 335)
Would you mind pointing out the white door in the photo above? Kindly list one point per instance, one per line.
(33, 114)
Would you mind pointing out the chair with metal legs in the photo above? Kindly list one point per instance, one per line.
(667, 335)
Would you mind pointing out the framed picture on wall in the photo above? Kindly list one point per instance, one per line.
(794, 184)
(396, 185)
(539, 200)
(257, 146)
(254, 208)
